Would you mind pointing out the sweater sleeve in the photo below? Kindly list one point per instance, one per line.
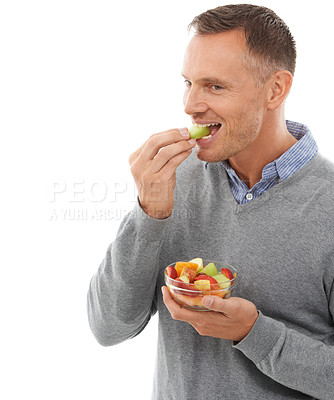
(291, 358)
(121, 295)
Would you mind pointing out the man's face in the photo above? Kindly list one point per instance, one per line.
(220, 89)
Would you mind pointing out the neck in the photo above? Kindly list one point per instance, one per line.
(272, 141)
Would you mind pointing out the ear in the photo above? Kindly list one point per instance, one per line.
(279, 89)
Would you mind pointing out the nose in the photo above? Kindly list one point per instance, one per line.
(194, 102)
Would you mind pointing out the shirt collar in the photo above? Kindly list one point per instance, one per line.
(299, 154)
(290, 161)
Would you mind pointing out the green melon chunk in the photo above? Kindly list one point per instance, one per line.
(210, 269)
(198, 132)
(184, 278)
(223, 281)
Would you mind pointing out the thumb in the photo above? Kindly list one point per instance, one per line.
(216, 303)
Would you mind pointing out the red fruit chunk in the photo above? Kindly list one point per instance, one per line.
(191, 274)
(179, 284)
(171, 272)
(194, 292)
(182, 285)
(227, 273)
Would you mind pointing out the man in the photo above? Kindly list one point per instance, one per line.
(255, 194)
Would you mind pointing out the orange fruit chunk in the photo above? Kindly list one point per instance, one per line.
(181, 264)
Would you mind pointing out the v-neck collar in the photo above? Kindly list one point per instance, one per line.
(257, 202)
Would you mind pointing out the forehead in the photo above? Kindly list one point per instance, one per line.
(217, 53)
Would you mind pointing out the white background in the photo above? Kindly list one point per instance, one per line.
(82, 85)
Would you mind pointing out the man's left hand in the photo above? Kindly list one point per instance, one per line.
(231, 318)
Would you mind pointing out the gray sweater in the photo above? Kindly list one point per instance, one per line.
(282, 244)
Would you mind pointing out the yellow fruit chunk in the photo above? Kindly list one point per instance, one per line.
(202, 284)
(199, 262)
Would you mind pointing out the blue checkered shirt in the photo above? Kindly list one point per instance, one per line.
(278, 170)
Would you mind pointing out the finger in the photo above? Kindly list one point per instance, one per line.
(156, 142)
(181, 133)
(136, 153)
(176, 311)
(172, 156)
(133, 157)
(171, 165)
(216, 303)
(168, 299)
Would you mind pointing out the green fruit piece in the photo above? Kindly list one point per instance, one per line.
(199, 262)
(197, 132)
(210, 269)
(184, 278)
(222, 280)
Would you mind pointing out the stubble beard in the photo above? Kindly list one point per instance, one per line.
(236, 138)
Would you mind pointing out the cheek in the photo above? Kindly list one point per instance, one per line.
(242, 126)
(232, 124)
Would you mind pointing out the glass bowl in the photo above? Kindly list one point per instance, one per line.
(190, 297)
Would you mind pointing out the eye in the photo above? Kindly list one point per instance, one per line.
(188, 83)
(217, 88)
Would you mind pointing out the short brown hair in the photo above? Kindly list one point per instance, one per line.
(270, 44)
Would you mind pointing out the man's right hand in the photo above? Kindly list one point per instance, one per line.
(153, 168)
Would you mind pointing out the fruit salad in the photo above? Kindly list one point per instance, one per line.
(189, 281)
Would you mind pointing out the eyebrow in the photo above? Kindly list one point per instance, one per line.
(209, 80)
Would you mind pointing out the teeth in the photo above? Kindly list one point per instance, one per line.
(203, 125)
(206, 137)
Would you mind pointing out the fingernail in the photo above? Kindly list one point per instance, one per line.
(184, 131)
(207, 301)
(192, 141)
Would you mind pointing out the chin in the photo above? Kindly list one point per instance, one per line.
(209, 157)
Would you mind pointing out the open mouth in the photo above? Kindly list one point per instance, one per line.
(214, 128)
